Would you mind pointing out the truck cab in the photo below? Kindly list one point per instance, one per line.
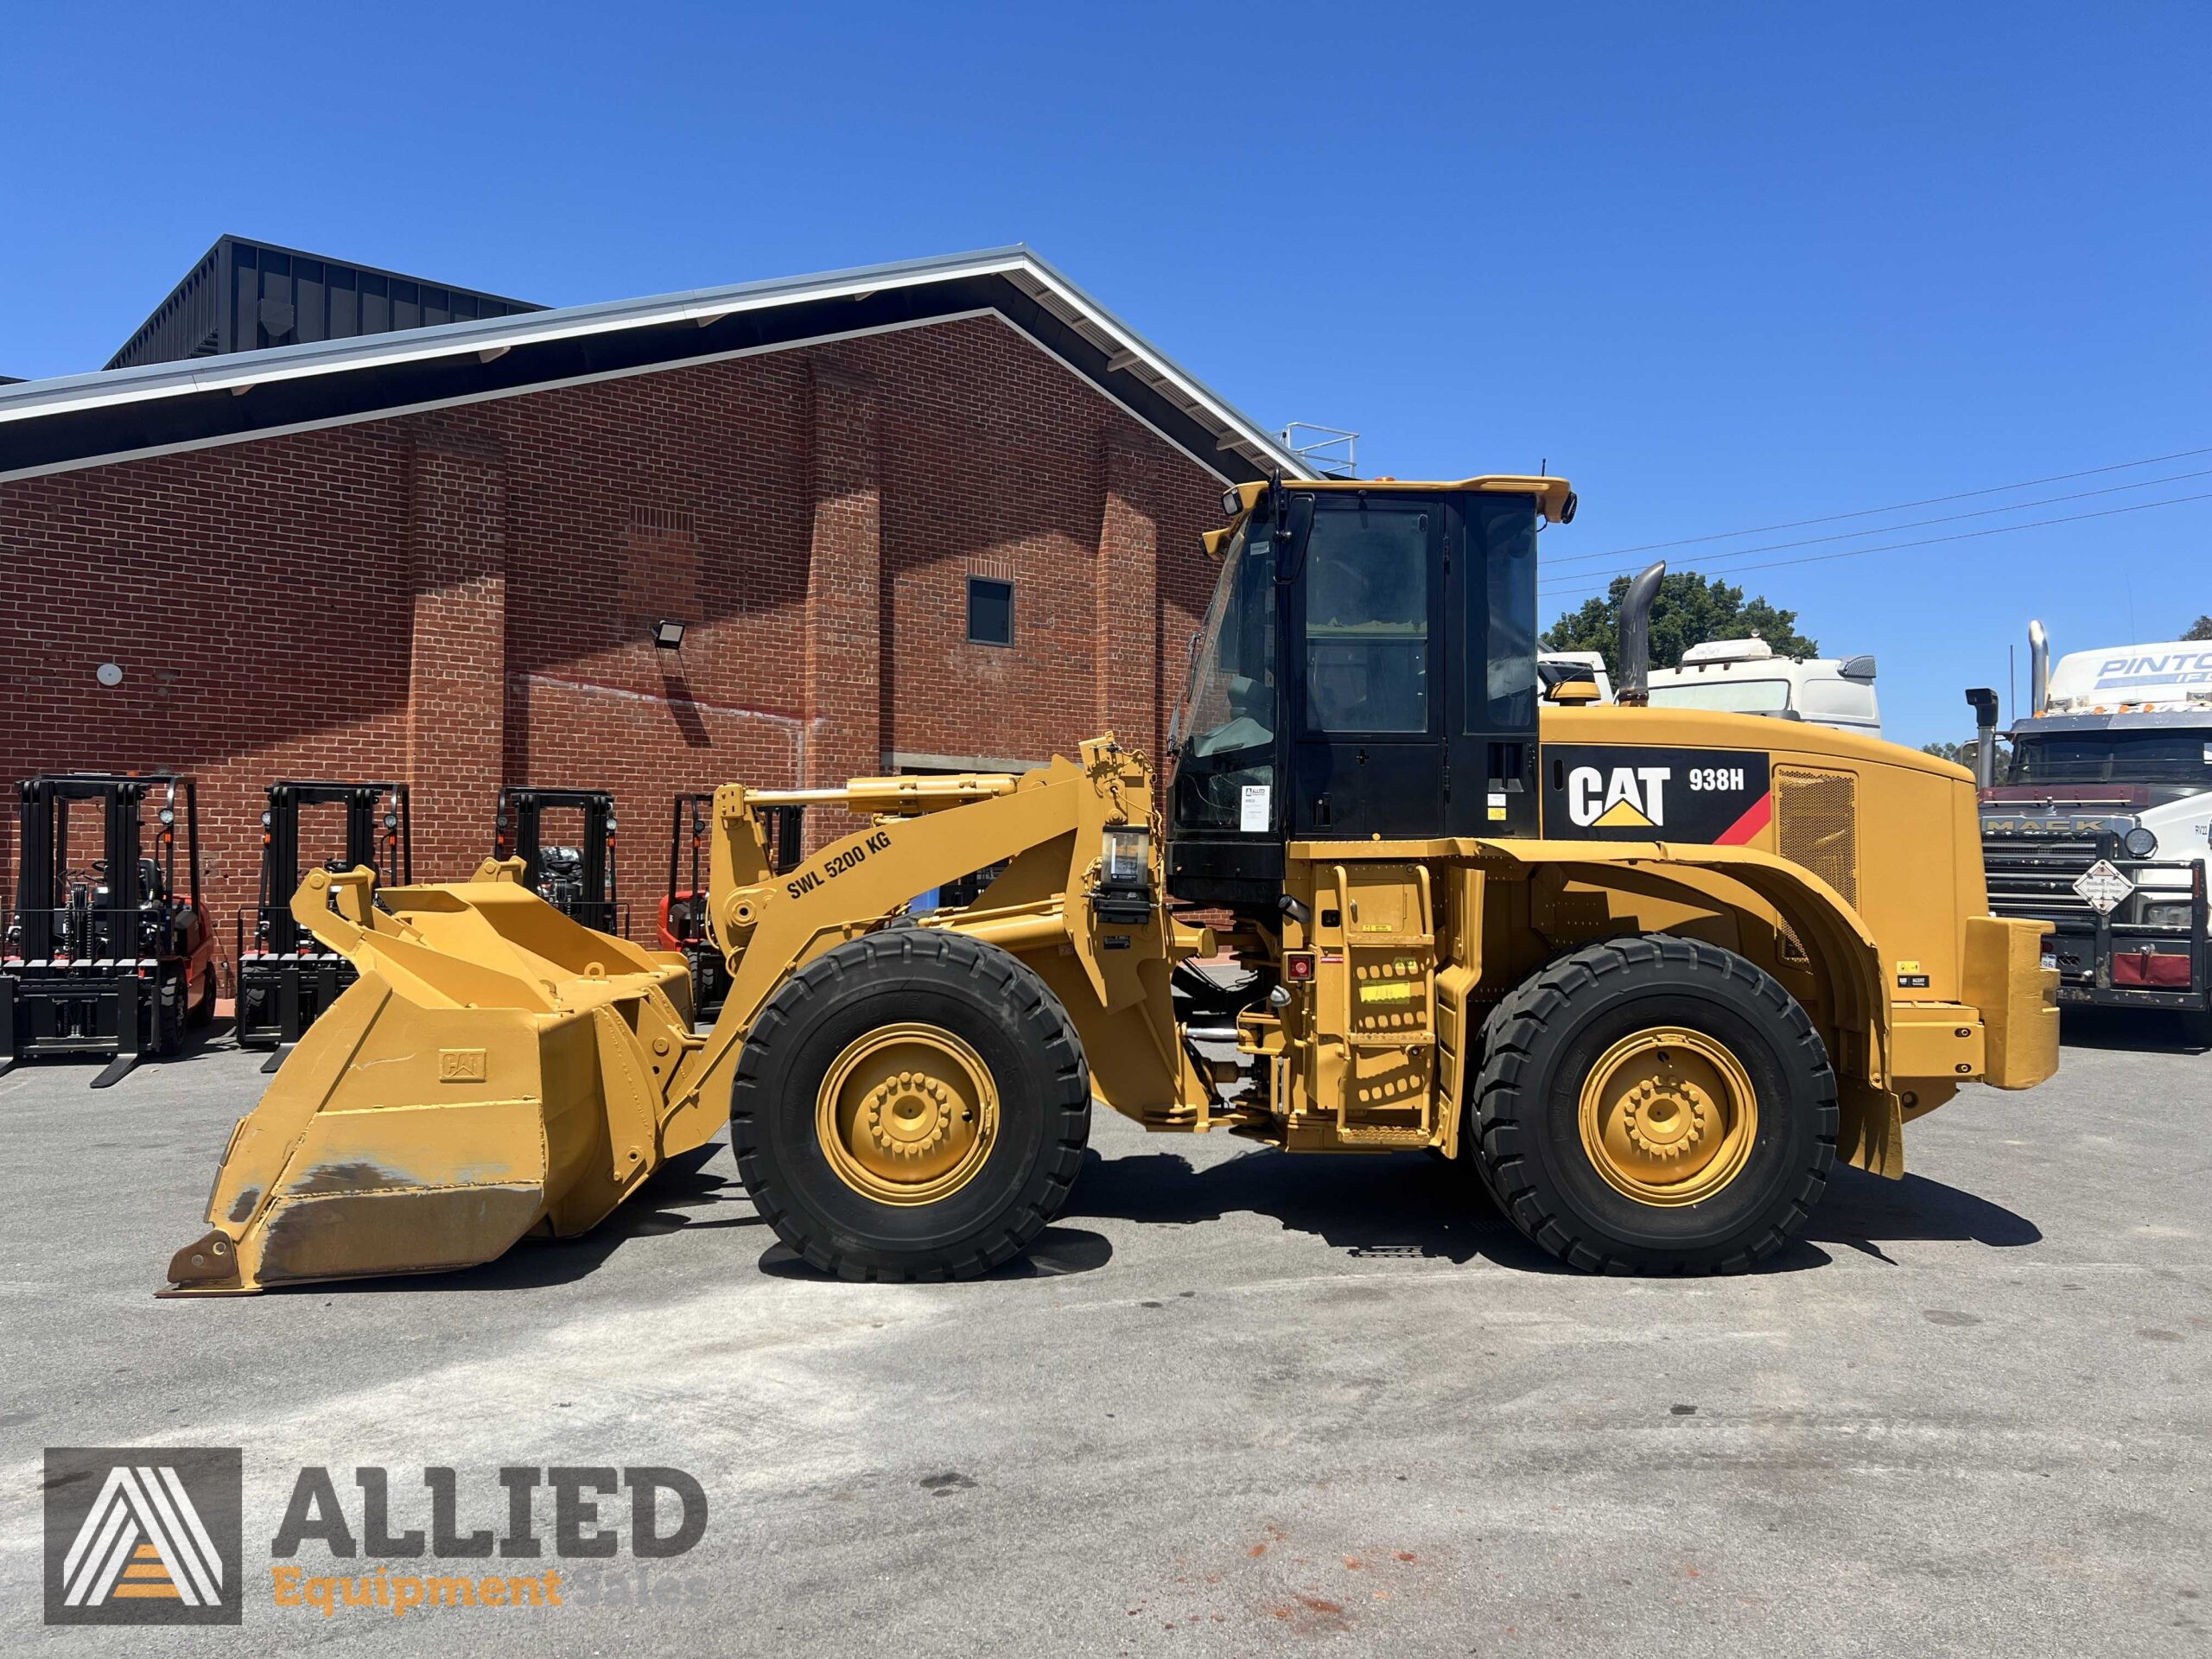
(2111, 770)
(1745, 676)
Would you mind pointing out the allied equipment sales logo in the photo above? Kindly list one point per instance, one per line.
(143, 1535)
(151, 1537)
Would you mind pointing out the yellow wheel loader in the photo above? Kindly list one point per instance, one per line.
(1650, 974)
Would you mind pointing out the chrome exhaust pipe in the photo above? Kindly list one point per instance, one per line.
(1635, 687)
(2038, 667)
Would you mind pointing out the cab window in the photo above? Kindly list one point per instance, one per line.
(1367, 661)
(1502, 696)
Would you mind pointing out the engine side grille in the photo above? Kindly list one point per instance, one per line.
(1816, 825)
(2034, 876)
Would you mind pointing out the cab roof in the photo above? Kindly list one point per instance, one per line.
(1552, 494)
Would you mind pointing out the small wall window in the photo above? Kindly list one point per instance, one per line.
(990, 612)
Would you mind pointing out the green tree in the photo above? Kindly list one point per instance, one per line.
(2200, 629)
(1689, 610)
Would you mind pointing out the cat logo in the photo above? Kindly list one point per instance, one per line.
(1625, 792)
(1623, 797)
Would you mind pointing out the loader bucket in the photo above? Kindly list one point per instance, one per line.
(496, 1069)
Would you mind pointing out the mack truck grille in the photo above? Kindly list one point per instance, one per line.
(2034, 877)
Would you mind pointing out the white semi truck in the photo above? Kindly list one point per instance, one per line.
(1745, 676)
(2098, 822)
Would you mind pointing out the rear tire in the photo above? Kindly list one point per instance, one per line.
(911, 1105)
(1655, 1105)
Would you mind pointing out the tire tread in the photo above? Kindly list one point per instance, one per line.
(1501, 1087)
(999, 979)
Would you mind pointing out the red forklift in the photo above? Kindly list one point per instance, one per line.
(110, 957)
(285, 977)
(684, 924)
(577, 878)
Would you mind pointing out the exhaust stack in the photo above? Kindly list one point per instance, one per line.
(1985, 735)
(2038, 667)
(1635, 687)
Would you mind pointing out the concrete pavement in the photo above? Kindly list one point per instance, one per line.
(1239, 1402)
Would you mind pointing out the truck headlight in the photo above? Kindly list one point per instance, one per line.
(2165, 915)
(2139, 843)
(1232, 502)
(1125, 860)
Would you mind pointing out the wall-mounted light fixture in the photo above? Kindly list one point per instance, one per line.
(668, 636)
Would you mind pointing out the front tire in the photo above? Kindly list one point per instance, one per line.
(203, 1012)
(1655, 1105)
(911, 1105)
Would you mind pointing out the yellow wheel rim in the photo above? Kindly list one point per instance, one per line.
(1669, 1116)
(907, 1113)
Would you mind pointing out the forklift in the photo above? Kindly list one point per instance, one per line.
(578, 879)
(110, 957)
(285, 979)
(684, 913)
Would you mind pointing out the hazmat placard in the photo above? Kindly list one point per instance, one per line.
(2103, 886)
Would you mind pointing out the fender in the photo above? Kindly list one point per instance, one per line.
(1847, 957)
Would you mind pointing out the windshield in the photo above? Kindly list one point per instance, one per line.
(2113, 757)
(1223, 737)
(1730, 696)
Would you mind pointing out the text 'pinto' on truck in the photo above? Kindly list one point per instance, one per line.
(1647, 974)
(2097, 821)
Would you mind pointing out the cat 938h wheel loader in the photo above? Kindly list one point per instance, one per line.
(1647, 974)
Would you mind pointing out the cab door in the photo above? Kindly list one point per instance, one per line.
(1366, 623)
(1490, 760)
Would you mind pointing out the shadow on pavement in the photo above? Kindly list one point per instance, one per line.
(1411, 1204)
(1366, 1204)
(1862, 1212)
(2143, 1031)
(1400, 1204)
(1058, 1252)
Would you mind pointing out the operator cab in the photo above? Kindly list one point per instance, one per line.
(1367, 670)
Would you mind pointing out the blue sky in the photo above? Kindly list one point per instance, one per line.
(1726, 267)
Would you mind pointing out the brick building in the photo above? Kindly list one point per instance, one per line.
(932, 515)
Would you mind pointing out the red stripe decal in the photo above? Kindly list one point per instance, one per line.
(1755, 818)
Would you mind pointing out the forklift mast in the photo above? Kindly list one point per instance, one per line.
(683, 911)
(101, 914)
(109, 953)
(576, 879)
(285, 980)
(379, 834)
(690, 861)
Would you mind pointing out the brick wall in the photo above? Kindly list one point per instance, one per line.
(463, 598)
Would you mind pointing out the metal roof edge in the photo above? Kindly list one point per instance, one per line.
(1227, 412)
(492, 338)
(100, 387)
